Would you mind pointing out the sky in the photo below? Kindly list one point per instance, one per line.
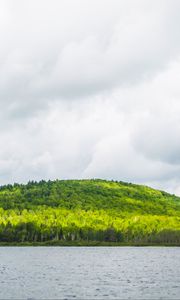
(90, 89)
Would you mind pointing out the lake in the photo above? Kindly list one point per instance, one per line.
(89, 273)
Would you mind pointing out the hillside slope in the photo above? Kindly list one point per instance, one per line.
(88, 210)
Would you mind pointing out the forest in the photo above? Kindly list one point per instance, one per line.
(87, 211)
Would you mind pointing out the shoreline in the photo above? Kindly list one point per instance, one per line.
(85, 244)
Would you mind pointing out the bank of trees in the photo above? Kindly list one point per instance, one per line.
(43, 224)
(88, 210)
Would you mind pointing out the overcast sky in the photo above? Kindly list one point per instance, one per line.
(90, 89)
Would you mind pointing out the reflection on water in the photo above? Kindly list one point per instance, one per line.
(89, 273)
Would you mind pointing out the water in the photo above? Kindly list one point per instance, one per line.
(89, 273)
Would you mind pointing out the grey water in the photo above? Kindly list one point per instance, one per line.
(89, 273)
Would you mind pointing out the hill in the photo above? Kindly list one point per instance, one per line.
(88, 210)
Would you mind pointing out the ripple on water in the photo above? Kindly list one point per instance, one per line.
(84, 273)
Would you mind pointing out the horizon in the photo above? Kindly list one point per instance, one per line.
(85, 179)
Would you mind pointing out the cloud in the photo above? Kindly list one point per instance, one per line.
(59, 50)
(90, 89)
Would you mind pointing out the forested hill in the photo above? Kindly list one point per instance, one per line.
(97, 210)
(89, 194)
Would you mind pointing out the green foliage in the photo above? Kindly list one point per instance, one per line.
(91, 210)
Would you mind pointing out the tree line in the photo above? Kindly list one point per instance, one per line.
(88, 210)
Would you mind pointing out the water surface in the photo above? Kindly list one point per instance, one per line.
(89, 273)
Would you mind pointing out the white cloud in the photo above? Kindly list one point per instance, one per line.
(90, 89)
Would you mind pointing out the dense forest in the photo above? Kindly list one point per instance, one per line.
(88, 210)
